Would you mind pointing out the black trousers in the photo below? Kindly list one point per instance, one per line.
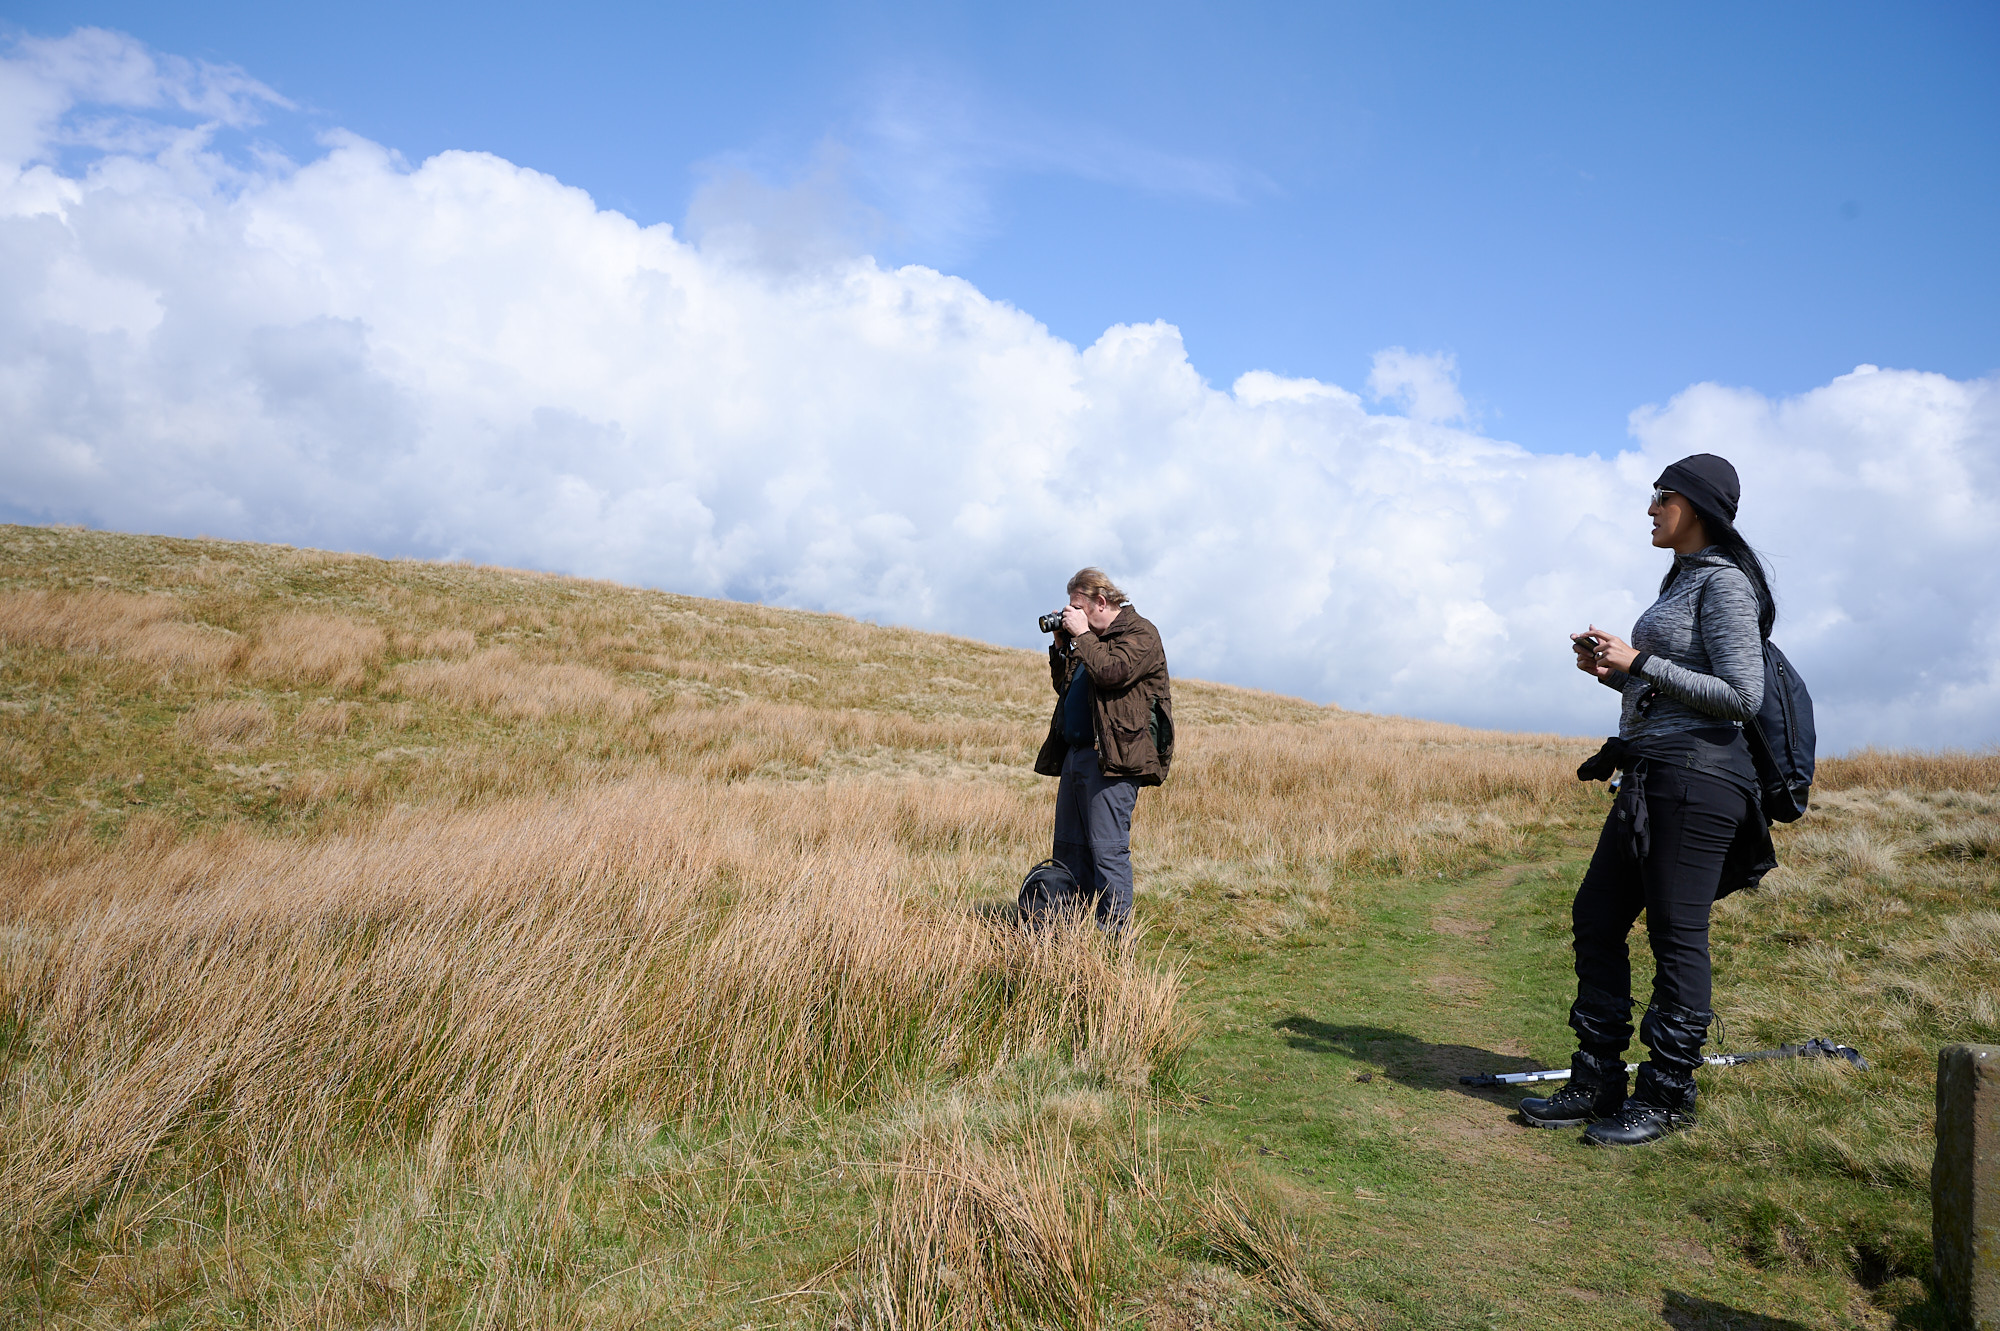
(1695, 819)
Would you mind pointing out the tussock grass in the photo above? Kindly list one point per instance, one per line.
(499, 682)
(90, 622)
(311, 648)
(1905, 770)
(226, 725)
(145, 629)
(443, 642)
(978, 1234)
(658, 948)
(323, 716)
(1248, 1231)
(1878, 931)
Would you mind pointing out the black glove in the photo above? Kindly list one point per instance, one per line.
(1600, 765)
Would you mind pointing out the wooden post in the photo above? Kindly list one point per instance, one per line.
(1965, 1186)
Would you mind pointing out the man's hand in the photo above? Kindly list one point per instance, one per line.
(1074, 623)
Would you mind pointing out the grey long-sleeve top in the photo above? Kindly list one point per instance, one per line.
(1709, 669)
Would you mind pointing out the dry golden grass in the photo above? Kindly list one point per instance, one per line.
(444, 642)
(323, 716)
(978, 1234)
(146, 629)
(93, 621)
(500, 682)
(20, 757)
(1902, 769)
(226, 725)
(1256, 1237)
(658, 947)
(1352, 786)
(192, 648)
(312, 648)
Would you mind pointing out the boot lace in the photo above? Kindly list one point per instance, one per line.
(1573, 1096)
(1632, 1114)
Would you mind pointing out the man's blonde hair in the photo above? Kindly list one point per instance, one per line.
(1093, 582)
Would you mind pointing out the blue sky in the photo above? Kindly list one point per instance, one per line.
(928, 307)
(1590, 207)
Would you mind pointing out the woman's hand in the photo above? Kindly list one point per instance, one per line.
(1586, 655)
(1613, 653)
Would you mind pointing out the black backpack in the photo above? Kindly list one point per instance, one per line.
(1049, 889)
(1781, 735)
(1782, 739)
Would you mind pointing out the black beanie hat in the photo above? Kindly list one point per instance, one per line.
(1706, 479)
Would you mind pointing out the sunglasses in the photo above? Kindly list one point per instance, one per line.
(1660, 497)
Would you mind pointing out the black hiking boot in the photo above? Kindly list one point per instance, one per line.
(1662, 1102)
(1636, 1124)
(1596, 1089)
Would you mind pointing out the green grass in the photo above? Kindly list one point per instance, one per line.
(1803, 1196)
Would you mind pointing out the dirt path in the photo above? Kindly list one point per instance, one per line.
(1337, 1066)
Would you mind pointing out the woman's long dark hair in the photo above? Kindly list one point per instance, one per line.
(1723, 535)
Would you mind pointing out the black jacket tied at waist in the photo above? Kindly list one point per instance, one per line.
(1717, 752)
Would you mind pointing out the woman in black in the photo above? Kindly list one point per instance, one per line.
(1687, 826)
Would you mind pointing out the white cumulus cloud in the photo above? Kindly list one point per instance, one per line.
(467, 358)
(1425, 385)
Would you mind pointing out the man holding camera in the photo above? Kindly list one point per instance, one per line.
(1112, 732)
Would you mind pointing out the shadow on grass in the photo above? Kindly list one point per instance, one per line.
(1686, 1312)
(1403, 1057)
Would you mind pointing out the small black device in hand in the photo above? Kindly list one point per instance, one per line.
(1586, 643)
(1050, 623)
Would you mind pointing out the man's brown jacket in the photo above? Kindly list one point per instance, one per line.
(1132, 703)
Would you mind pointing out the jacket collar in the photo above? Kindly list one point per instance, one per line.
(1709, 556)
(1127, 617)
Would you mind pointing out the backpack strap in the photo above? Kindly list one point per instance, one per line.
(1763, 758)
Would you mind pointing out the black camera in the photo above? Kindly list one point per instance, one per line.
(1050, 623)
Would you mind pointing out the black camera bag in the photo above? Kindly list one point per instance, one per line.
(1049, 889)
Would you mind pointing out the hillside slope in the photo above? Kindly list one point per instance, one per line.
(204, 684)
(395, 942)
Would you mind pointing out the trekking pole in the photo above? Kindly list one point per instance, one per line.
(1819, 1048)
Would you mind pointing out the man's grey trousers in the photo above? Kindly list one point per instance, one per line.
(1094, 834)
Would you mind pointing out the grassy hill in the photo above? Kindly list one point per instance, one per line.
(395, 943)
